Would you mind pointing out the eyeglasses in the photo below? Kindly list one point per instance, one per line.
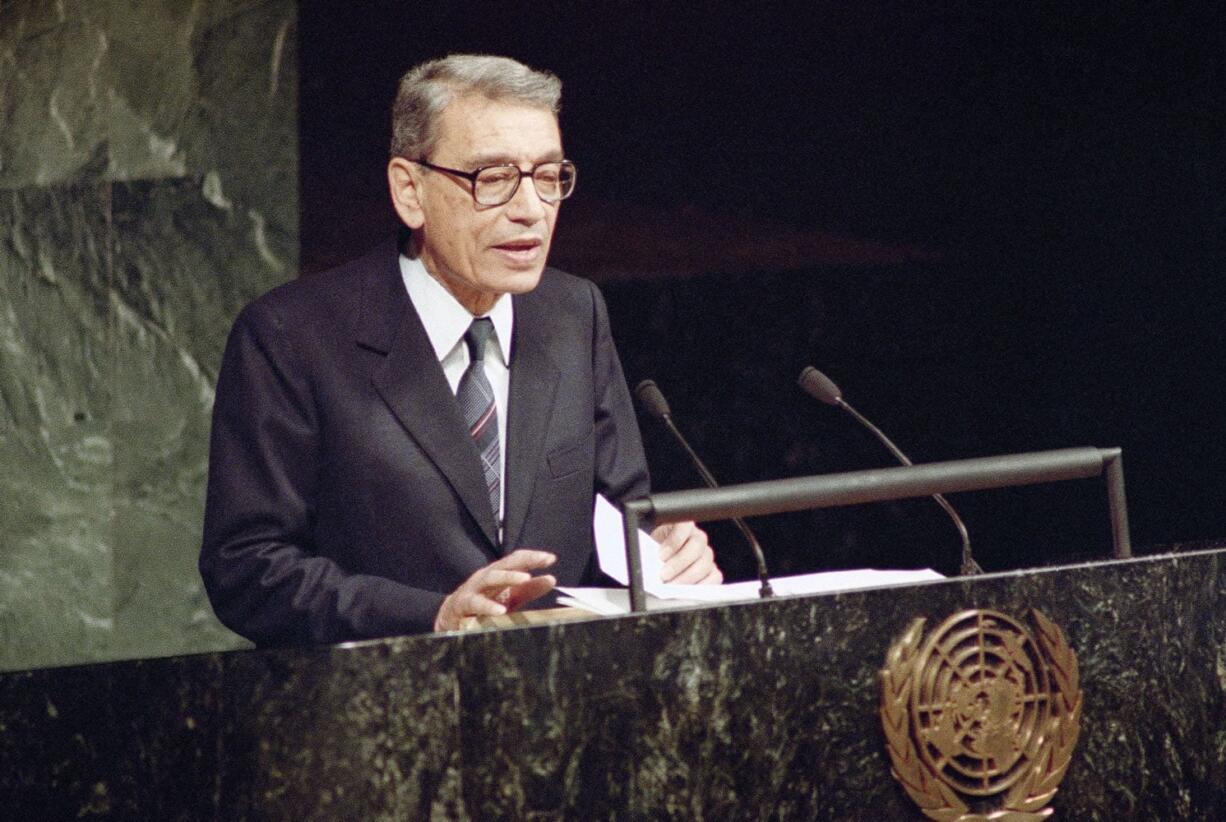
(495, 185)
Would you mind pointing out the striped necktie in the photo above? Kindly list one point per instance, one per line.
(476, 399)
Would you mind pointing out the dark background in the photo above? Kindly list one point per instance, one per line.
(999, 229)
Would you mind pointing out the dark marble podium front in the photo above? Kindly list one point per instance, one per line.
(758, 710)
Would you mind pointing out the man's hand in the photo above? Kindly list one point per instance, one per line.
(688, 559)
(498, 588)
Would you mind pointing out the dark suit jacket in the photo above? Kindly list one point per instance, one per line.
(345, 497)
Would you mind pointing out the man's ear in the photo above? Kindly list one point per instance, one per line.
(403, 182)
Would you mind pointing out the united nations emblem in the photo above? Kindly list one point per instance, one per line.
(981, 717)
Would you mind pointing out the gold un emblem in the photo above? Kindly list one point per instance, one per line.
(981, 717)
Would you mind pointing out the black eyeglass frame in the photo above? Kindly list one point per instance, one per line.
(471, 176)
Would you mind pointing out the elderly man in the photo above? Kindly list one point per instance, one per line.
(414, 437)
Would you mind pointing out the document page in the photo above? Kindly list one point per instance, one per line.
(609, 528)
(614, 601)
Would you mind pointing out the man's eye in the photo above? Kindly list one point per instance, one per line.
(498, 176)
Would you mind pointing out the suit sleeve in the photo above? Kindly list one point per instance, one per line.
(621, 467)
(260, 569)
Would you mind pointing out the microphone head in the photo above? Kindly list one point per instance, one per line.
(819, 386)
(651, 399)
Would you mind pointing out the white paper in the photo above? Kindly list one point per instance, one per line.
(596, 600)
(609, 528)
(614, 601)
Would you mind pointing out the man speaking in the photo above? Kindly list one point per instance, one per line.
(416, 436)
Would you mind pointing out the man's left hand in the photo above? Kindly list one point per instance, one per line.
(688, 558)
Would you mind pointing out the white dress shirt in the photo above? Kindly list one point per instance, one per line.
(446, 321)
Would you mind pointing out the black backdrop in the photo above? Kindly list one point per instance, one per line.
(1011, 225)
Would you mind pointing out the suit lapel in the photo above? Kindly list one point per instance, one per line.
(534, 381)
(411, 382)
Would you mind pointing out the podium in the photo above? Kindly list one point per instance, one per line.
(764, 709)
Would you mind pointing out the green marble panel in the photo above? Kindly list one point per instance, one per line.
(770, 710)
(389, 706)
(148, 189)
(56, 452)
(164, 766)
(761, 710)
(728, 717)
(123, 90)
(54, 101)
(242, 138)
(172, 306)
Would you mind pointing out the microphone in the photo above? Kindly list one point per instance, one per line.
(652, 401)
(820, 387)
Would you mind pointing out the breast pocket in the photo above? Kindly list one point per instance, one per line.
(571, 459)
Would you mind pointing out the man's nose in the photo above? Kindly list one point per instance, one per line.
(526, 206)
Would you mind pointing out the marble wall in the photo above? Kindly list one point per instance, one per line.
(148, 189)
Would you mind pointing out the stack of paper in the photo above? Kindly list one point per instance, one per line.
(611, 553)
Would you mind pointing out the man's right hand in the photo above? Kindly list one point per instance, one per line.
(498, 588)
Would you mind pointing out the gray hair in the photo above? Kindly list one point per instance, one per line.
(425, 91)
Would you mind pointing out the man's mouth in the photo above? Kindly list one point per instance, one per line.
(521, 251)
